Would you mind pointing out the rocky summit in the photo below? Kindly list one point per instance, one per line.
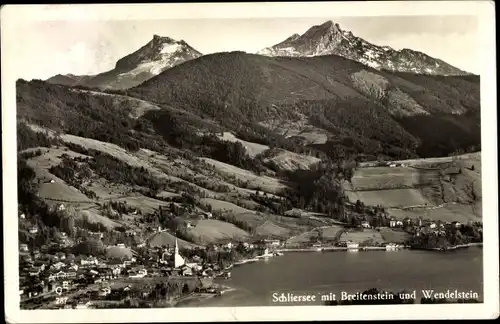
(330, 39)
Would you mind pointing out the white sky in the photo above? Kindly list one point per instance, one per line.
(92, 46)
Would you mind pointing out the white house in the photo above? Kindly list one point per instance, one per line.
(23, 247)
(22, 216)
(399, 223)
(58, 266)
(365, 224)
(432, 225)
(117, 271)
(207, 215)
(105, 291)
(33, 230)
(60, 275)
(392, 223)
(89, 261)
(61, 207)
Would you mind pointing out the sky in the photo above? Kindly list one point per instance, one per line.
(93, 46)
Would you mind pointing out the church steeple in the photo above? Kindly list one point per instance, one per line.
(178, 259)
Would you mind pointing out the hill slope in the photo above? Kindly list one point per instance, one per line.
(364, 110)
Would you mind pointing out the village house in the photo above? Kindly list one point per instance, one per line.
(35, 271)
(23, 247)
(116, 270)
(392, 222)
(399, 223)
(432, 225)
(365, 224)
(137, 273)
(420, 222)
(58, 266)
(272, 243)
(185, 270)
(61, 207)
(33, 230)
(90, 261)
(96, 235)
(104, 291)
(60, 275)
(36, 254)
(73, 266)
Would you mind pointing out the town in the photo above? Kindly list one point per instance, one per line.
(80, 271)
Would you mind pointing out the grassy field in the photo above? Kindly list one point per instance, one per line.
(423, 162)
(210, 230)
(145, 204)
(449, 212)
(290, 161)
(300, 128)
(394, 236)
(366, 236)
(220, 205)
(165, 238)
(269, 228)
(386, 178)
(118, 252)
(390, 198)
(113, 150)
(253, 149)
(263, 183)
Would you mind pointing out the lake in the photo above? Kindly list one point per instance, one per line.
(351, 272)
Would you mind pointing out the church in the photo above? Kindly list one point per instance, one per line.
(175, 260)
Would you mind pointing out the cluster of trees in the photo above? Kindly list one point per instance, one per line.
(444, 134)
(453, 236)
(229, 218)
(28, 138)
(277, 205)
(74, 172)
(318, 189)
(90, 247)
(188, 132)
(92, 115)
(118, 171)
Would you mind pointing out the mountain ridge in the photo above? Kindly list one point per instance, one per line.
(159, 54)
(328, 38)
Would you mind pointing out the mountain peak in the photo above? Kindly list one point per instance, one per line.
(329, 39)
(157, 39)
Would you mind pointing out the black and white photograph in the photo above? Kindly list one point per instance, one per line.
(237, 161)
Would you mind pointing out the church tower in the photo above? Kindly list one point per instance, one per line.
(178, 259)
